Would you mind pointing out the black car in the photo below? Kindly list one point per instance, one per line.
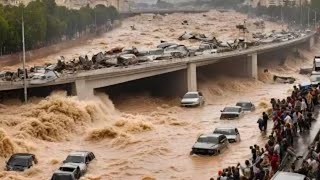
(246, 106)
(20, 162)
(210, 144)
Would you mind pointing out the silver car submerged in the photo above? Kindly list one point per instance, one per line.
(210, 144)
(232, 134)
(81, 159)
(246, 105)
(231, 113)
(192, 99)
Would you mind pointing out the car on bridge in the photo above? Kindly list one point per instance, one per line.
(231, 112)
(231, 133)
(192, 99)
(246, 105)
(20, 162)
(210, 144)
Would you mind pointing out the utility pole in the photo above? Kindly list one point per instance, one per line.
(300, 13)
(315, 20)
(308, 17)
(24, 64)
(282, 19)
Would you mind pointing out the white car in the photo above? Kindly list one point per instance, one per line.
(192, 99)
(81, 159)
(231, 133)
(315, 77)
(231, 112)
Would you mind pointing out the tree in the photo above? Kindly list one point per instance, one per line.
(35, 24)
(4, 27)
(315, 4)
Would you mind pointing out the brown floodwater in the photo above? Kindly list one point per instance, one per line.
(140, 136)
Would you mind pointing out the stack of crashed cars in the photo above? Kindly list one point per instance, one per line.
(124, 57)
(75, 166)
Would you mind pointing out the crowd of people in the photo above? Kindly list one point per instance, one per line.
(291, 118)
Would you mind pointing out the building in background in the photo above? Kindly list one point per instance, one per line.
(120, 5)
(267, 3)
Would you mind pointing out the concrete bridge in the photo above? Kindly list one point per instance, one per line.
(245, 62)
(126, 14)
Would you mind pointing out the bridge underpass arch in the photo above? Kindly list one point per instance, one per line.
(168, 85)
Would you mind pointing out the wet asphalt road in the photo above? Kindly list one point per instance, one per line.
(305, 138)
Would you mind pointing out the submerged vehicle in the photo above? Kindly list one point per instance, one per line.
(210, 144)
(192, 99)
(231, 133)
(80, 158)
(230, 113)
(21, 161)
(246, 105)
(68, 171)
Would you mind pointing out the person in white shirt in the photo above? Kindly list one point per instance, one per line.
(288, 119)
(276, 149)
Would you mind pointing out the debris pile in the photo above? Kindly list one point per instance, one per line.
(120, 56)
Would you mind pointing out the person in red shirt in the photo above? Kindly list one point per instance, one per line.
(275, 162)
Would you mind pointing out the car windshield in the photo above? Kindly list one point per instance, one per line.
(189, 95)
(213, 140)
(247, 105)
(62, 177)
(18, 161)
(225, 131)
(69, 169)
(75, 159)
(231, 109)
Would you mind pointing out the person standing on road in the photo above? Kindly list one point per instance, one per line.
(297, 105)
(304, 107)
(265, 118)
(260, 124)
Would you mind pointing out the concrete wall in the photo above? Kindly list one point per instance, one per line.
(171, 84)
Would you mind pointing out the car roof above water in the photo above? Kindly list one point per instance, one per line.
(288, 176)
(211, 135)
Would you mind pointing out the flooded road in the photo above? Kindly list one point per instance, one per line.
(140, 137)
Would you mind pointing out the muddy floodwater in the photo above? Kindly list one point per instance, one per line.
(139, 136)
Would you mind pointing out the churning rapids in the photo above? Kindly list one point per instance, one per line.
(138, 136)
(144, 137)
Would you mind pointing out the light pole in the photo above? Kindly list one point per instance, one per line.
(24, 64)
(308, 17)
(315, 20)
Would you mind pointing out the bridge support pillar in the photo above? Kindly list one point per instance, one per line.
(81, 90)
(311, 42)
(192, 77)
(252, 66)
